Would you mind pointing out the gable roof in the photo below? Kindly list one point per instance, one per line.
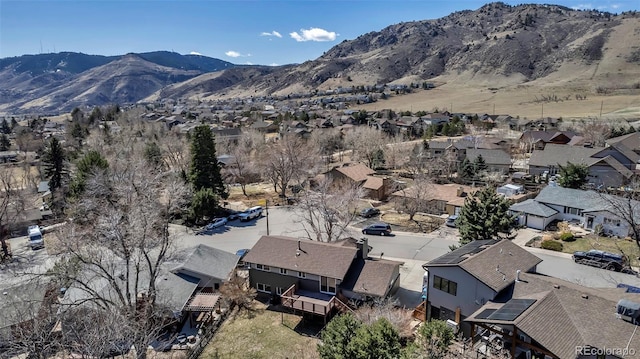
(208, 261)
(570, 197)
(490, 156)
(493, 263)
(631, 140)
(325, 259)
(554, 154)
(357, 172)
(567, 315)
(373, 183)
(371, 277)
(533, 207)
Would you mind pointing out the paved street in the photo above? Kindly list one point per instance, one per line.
(414, 249)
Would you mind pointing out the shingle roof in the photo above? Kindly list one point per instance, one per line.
(631, 140)
(209, 261)
(318, 258)
(496, 266)
(564, 319)
(371, 277)
(554, 154)
(373, 183)
(491, 157)
(531, 206)
(357, 172)
(21, 302)
(569, 197)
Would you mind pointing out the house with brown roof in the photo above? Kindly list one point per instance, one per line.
(462, 281)
(318, 277)
(441, 198)
(376, 187)
(553, 318)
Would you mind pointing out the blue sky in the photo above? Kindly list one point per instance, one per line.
(261, 32)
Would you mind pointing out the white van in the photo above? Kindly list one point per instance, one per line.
(35, 237)
(251, 213)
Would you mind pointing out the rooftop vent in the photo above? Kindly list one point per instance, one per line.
(556, 286)
(585, 296)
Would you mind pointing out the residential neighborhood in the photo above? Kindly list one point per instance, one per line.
(312, 176)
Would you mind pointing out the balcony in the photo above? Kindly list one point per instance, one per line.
(312, 302)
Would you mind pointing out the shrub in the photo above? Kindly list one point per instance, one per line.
(532, 241)
(547, 237)
(552, 245)
(567, 237)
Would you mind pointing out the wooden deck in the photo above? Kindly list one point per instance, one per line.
(311, 302)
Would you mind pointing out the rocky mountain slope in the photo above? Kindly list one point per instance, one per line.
(62, 81)
(496, 46)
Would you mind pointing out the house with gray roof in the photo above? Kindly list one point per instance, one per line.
(462, 281)
(608, 166)
(588, 208)
(553, 318)
(317, 277)
(496, 160)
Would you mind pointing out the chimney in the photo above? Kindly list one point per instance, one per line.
(518, 275)
(460, 192)
(363, 246)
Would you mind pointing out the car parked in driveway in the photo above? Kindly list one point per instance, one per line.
(369, 212)
(381, 229)
(216, 223)
(451, 221)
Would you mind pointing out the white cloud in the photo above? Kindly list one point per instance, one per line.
(272, 33)
(273, 64)
(248, 63)
(313, 34)
(582, 7)
(195, 53)
(233, 53)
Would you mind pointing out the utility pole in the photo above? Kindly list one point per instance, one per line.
(601, 103)
(266, 206)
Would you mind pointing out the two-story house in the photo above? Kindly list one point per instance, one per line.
(462, 281)
(318, 277)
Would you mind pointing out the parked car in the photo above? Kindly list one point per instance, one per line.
(232, 214)
(381, 228)
(216, 223)
(601, 259)
(451, 221)
(369, 212)
(251, 213)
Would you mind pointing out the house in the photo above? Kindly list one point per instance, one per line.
(608, 166)
(587, 208)
(209, 265)
(462, 281)
(264, 126)
(553, 318)
(318, 277)
(441, 198)
(8, 156)
(496, 160)
(537, 140)
(376, 187)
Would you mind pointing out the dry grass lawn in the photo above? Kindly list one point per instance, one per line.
(622, 246)
(419, 224)
(260, 334)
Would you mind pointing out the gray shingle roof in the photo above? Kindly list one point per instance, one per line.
(531, 206)
(328, 260)
(370, 277)
(490, 156)
(569, 197)
(208, 261)
(554, 154)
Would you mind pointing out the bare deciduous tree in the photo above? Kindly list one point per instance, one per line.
(119, 240)
(288, 160)
(327, 211)
(365, 143)
(241, 167)
(626, 206)
(595, 132)
(400, 318)
(12, 204)
(416, 198)
(238, 291)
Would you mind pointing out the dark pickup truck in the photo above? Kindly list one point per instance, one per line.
(601, 259)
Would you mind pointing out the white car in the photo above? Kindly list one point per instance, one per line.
(251, 213)
(217, 222)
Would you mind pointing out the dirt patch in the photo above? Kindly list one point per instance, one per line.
(420, 223)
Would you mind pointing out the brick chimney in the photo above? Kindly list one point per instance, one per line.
(460, 192)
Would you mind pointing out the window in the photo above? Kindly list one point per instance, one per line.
(573, 211)
(263, 267)
(612, 222)
(264, 288)
(279, 290)
(445, 285)
(328, 285)
(283, 271)
(302, 275)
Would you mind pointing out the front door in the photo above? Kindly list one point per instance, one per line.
(589, 222)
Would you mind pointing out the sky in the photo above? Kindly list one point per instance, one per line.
(258, 32)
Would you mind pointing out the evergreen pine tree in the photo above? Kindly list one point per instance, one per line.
(479, 164)
(4, 127)
(204, 171)
(485, 215)
(5, 143)
(53, 160)
(466, 171)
